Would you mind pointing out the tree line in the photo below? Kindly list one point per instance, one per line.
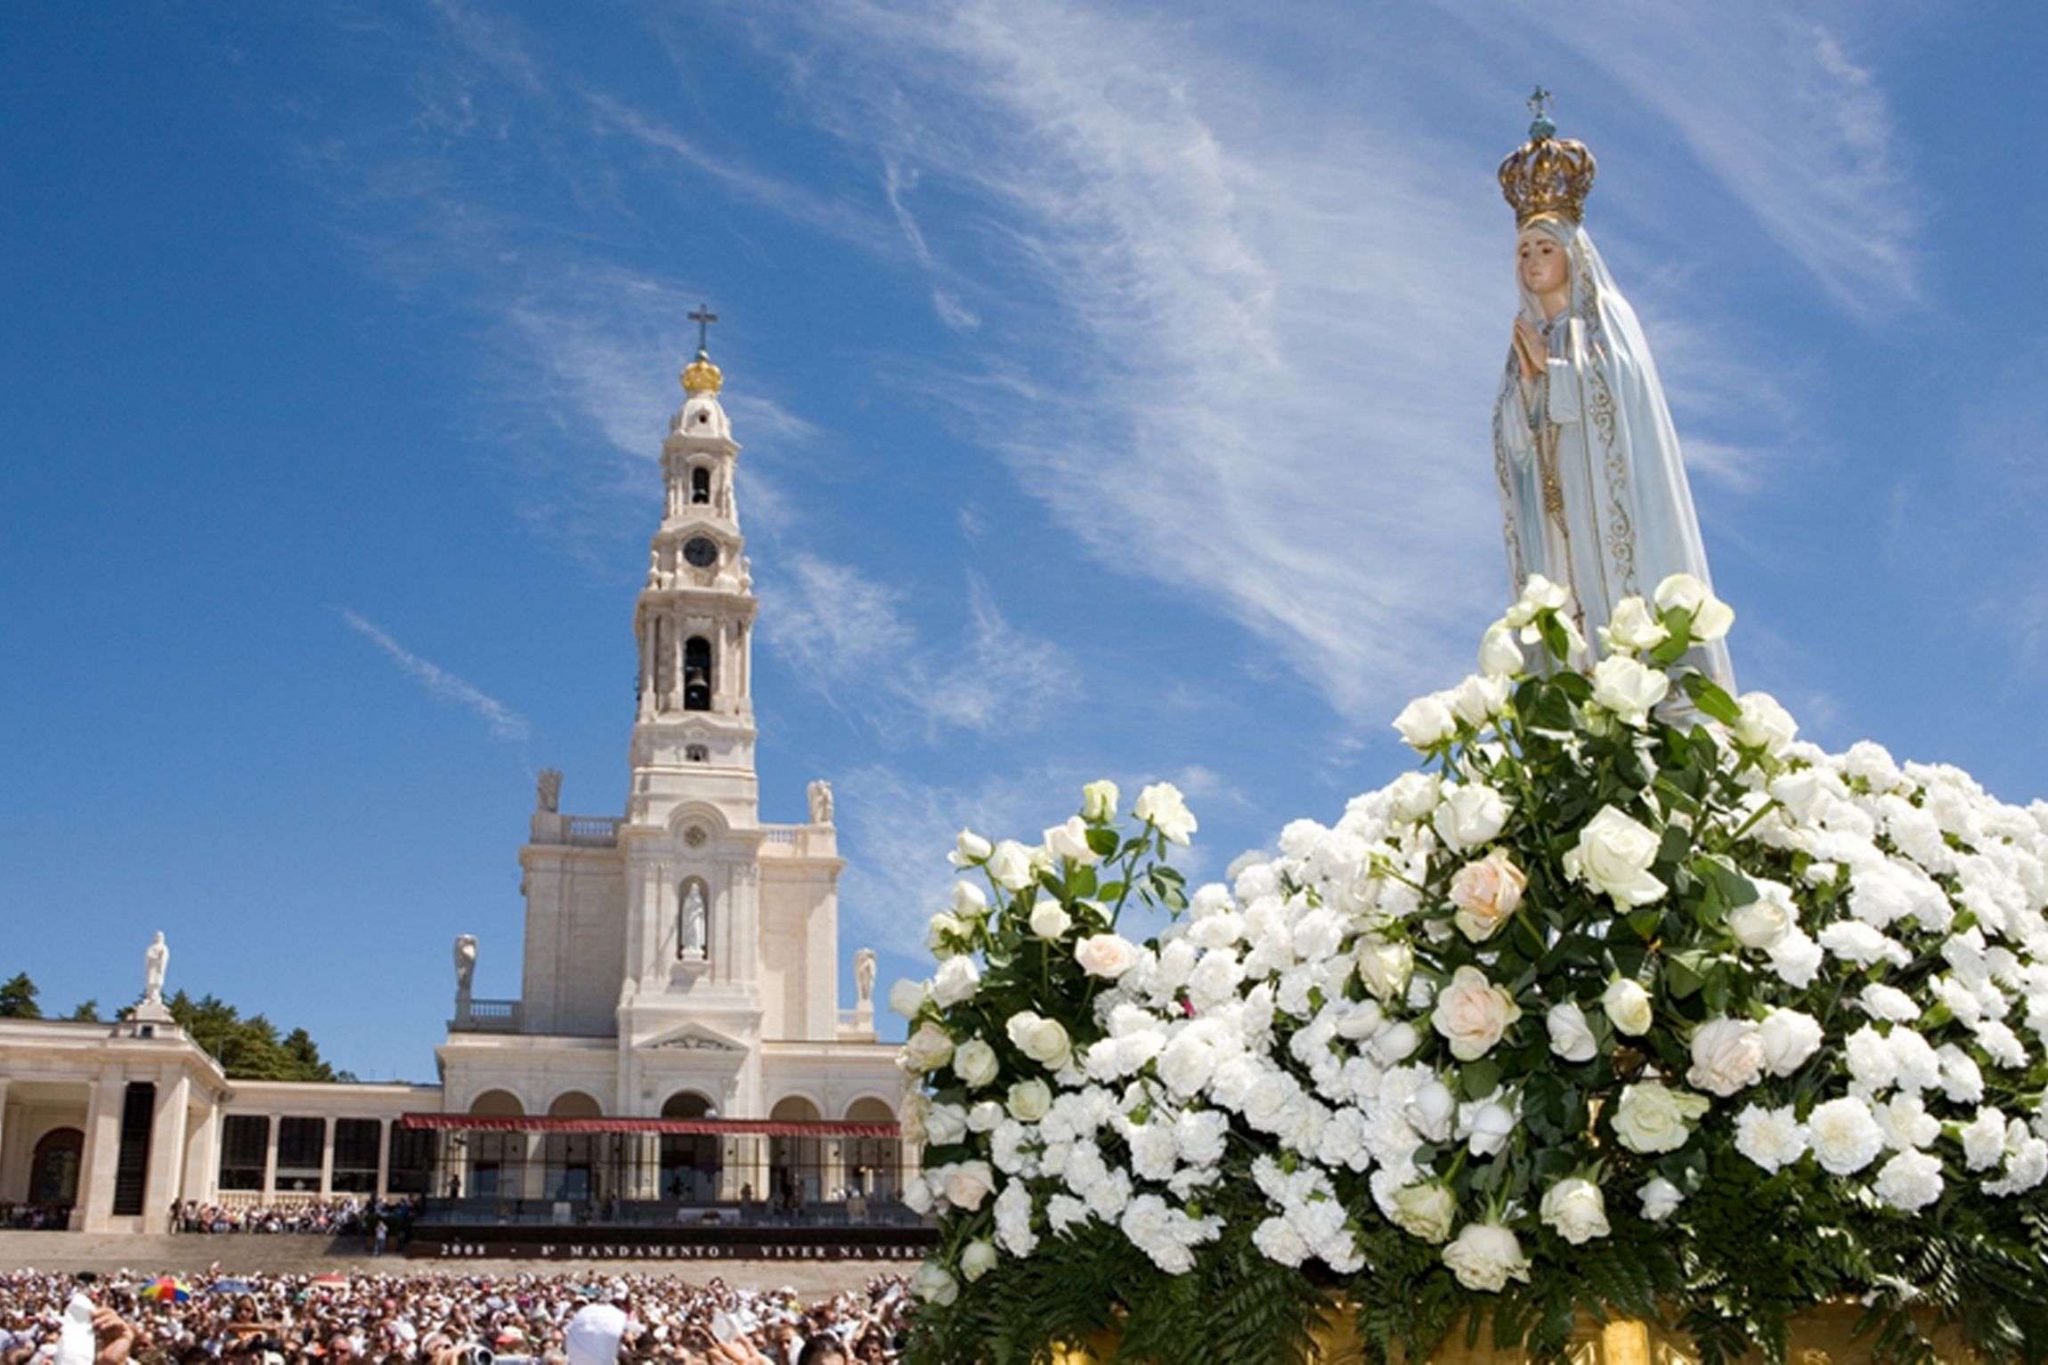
(248, 1049)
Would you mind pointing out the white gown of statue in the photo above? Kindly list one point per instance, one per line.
(1593, 488)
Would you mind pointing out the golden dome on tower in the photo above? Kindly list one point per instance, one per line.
(701, 376)
(1547, 176)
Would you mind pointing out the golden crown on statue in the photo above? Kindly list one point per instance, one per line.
(1547, 176)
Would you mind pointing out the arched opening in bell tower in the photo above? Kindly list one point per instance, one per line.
(700, 485)
(696, 674)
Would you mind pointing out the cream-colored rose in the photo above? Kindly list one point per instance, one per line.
(1727, 1056)
(1485, 1256)
(1628, 1007)
(977, 1258)
(928, 1049)
(1653, 1118)
(1070, 841)
(1472, 1013)
(966, 1183)
(1010, 865)
(1487, 893)
(1098, 801)
(1043, 1040)
(1162, 807)
(1632, 628)
(1764, 922)
(1427, 1211)
(1385, 966)
(1472, 814)
(1426, 722)
(975, 1063)
(1049, 919)
(1628, 689)
(1108, 956)
(935, 1284)
(1613, 856)
(1030, 1100)
(1576, 1210)
(1571, 1037)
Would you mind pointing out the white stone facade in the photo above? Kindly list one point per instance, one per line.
(679, 960)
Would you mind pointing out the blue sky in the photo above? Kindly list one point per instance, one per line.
(1114, 388)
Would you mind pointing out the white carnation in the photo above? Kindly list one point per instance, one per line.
(1772, 1138)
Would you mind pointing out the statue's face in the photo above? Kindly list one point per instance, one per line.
(1541, 263)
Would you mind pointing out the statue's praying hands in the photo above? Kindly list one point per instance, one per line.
(1530, 350)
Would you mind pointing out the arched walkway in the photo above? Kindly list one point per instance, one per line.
(496, 1161)
(690, 1163)
(874, 1166)
(572, 1159)
(53, 1169)
(796, 1166)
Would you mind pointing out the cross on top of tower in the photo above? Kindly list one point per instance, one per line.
(703, 317)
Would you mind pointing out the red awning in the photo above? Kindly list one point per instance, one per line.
(539, 1123)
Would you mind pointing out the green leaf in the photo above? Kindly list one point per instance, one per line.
(1103, 841)
(1708, 696)
(1479, 1079)
(1685, 973)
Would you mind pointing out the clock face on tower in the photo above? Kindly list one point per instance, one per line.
(701, 552)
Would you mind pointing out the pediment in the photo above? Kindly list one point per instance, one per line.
(692, 1038)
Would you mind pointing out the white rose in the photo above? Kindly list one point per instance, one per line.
(1764, 922)
(1613, 856)
(1426, 722)
(1576, 1210)
(1049, 919)
(1772, 1138)
(1571, 1037)
(969, 900)
(1789, 1037)
(986, 1115)
(1632, 628)
(1472, 1013)
(1499, 655)
(969, 848)
(934, 1284)
(1070, 841)
(1162, 807)
(1539, 595)
(944, 1125)
(1628, 1007)
(1098, 801)
(1010, 865)
(1487, 893)
(1471, 815)
(1845, 1136)
(1043, 1040)
(1030, 1100)
(940, 934)
(1479, 698)
(1660, 1198)
(1488, 1125)
(1426, 1211)
(1711, 617)
(1727, 1056)
(1385, 966)
(928, 1049)
(966, 1183)
(907, 997)
(1106, 955)
(1909, 1181)
(1653, 1118)
(1628, 689)
(1430, 1110)
(957, 981)
(977, 1258)
(1765, 724)
(1485, 1256)
(975, 1063)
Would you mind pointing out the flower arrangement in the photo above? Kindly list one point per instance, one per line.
(1624, 1001)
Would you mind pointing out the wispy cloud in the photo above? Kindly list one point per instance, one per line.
(441, 685)
(850, 640)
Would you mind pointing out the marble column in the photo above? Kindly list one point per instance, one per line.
(166, 1152)
(271, 1124)
(383, 1158)
(4, 1194)
(202, 1156)
(327, 1127)
(94, 1211)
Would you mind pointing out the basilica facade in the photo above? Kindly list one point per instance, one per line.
(678, 1039)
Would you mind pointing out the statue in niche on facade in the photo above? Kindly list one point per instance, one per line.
(821, 802)
(695, 925)
(155, 961)
(864, 977)
(465, 962)
(547, 790)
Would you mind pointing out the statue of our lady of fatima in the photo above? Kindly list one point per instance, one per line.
(1593, 489)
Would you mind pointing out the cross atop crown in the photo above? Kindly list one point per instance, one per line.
(703, 317)
(701, 376)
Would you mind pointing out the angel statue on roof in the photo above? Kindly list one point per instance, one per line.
(1593, 490)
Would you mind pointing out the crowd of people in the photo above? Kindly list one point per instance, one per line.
(34, 1217)
(337, 1216)
(438, 1319)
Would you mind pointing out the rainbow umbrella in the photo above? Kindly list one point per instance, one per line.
(166, 1290)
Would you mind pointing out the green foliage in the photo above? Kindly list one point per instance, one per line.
(86, 1012)
(18, 998)
(248, 1049)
